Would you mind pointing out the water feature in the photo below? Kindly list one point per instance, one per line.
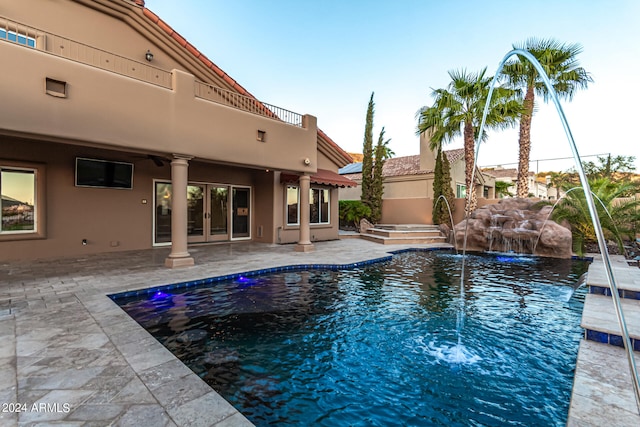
(373, 345)
(587, 193)
(515, 225)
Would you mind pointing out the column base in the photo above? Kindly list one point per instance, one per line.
(305, 247)
(179, 262)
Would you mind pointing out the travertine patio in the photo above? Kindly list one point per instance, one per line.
(70, 356)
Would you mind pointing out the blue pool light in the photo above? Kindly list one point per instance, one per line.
(515, 258)
(245, 282)
(160, 295)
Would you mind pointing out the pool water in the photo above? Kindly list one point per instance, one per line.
(382, 344)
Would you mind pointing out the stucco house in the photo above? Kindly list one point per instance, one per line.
(117, 134)
(538, 187)
(408, 185)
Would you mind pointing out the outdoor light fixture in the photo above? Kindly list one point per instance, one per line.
(149, 55)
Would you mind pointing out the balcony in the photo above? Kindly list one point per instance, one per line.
(21, 34)
(104, 99)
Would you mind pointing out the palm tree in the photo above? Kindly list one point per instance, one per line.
(561, 66)
(457, 110)
(618, 216)
(502, 189)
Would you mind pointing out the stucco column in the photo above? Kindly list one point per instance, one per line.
(304, 243)
(179, 256)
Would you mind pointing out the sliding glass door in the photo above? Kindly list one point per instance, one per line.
(208, 215)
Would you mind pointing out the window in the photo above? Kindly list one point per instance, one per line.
(293, 215)
(318, 206)
(461, 191)
(12, 36)
(22, 195)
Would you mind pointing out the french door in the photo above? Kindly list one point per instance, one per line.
(215, 212)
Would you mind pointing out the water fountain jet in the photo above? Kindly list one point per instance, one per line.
(450, 218)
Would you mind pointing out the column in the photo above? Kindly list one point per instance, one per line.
(304, 244)
(179, 256)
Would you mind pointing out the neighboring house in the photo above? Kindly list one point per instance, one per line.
(408, 184)
(538, 186)
(118, 134)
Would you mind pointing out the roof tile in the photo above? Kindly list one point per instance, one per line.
(152, 16)
(409, 165)
(165, 27)
(181, 40)
(193, 50)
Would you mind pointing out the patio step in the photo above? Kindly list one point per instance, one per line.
(407, 233)
(402, 234)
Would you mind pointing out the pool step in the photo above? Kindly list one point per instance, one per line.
(599, 318)
(600, 321)
(602, 386)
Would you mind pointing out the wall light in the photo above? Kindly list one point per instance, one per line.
(149, 55)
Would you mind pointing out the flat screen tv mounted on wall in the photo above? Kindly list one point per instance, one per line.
(103, 173)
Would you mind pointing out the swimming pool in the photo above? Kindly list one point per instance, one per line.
(373, 345)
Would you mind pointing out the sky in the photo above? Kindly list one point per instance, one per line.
(326, 57)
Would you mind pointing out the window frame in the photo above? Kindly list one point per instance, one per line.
(286, 205)
(39, 202)
(461, 191)
(319, 207)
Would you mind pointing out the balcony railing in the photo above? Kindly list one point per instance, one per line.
(246, 103)
(61, 46)
(30, 37)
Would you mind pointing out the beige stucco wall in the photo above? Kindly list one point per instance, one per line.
(115, 219)
(113, 26)
(350, 193)
(419, 210)
(108, 109)
(407, 187)
(406, 211)
(111, 115)
(101, 216)
(401, 187)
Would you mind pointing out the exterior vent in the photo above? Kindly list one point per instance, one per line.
(56, 88)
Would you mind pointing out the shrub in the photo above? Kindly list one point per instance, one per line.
(352, 211)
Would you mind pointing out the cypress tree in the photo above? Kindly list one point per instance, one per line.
(442, 187)
(367, 156)
(377, 181)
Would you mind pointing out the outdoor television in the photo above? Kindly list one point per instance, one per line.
(103, 173)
